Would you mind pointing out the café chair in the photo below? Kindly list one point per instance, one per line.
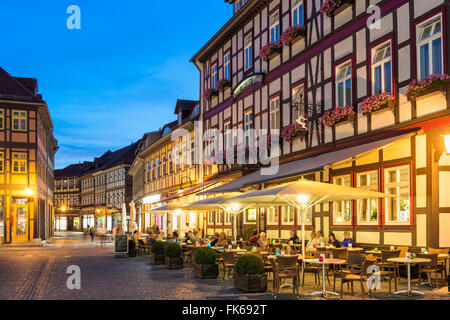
(228, 261)
(285, 267)
(430, 268)
(357, 270)
(389, 269)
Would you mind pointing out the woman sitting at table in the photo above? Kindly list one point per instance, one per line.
(222, 240)
(215, 239)
(347, 240)
(333, 241)
(294, 237)
(262, 242)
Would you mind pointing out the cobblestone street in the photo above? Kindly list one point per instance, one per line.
(40, 273)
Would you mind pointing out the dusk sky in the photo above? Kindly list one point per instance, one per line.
(116, 78)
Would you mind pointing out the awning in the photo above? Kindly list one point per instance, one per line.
(308, 165)
(192, 190)
(208, 204)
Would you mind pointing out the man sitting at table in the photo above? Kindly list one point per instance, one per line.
(222, 240)
(254, 239)
(215, 239)
(347, 240)
(294, 237)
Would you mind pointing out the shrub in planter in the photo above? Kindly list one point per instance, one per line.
(132, 248)
(249, 274)
(209, 93)
(269, 49)
(173, 253)
(377, 102)
(205, 263)
(419, 88)
(222, 84)
(337, 115)
(291, 34)
(157, 255)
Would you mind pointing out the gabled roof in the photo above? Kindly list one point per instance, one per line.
(185, 105)
(18, 89)
(73, 170)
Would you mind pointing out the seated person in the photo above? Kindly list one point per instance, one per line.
(254, 239)
(262, 241)
(135, 236)
(311, 243)
(333, 241)
(215, 239)
(320, 240)
(347, 240)
(294, 237)
(222, 240)
(170, 239)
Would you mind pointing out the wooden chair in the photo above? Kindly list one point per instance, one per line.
(229, 259)
(442, 263)
(389, 269)
(354, 262)
(356, 271)
(339, 253)
(141, 247)
(285, 267)
(403, 251)
(430, 268)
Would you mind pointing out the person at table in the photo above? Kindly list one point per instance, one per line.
(222, 240)
(319, 238)
(312, 242)
(347, 240)
(262, 241)
(294, 237)
(215, 239)
(254, 239)
(333, 241)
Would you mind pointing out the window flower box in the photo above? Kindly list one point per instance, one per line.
(270, 50)
(334, 7)
(431, 84)
(292, 35)
(292, 131)
(210, 93)
(223, 84)
(377, 102)
(338, 115)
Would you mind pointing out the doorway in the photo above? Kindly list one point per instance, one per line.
(19, 220)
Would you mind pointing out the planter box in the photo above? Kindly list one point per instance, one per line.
(445, 88)
(205, 271)
(275, 53)
(301, 35)
(349, 118)
(250, 283)
(158, 259)
(389, 105)
(345, 5)
(174, 262)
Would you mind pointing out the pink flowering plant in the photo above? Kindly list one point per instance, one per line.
(222, 84)
(209, 93)
(417, 88)
(329, 6)
(375, 102)
(268, 50)
(336, 115)
(293, 130)
(291, 33)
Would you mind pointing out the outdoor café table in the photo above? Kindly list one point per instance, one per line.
(409, 262)
(324, 291)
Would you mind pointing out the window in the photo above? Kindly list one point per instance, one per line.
(382, 69)
(297, 13)
(429, 47)
(275, 113)
(342, 210)
(227, 218)
(196, 111)
(2, 162)
(227, 66)
(248, 52)
(308, 216)
(275, 27)
(298, 100)
(19, 119)
(166, 131)
(19, 162)
(219, 218)
(2, 119)
(210, 218)
(287, 215)
(367, 208)
(248, 126)
(344, 85)
(397, 182)
(214, 75)
(228, 135)
(272, 216)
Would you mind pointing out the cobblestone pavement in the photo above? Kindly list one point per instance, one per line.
(40, 273)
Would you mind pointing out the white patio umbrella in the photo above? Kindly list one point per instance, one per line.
(133, 216)
(124, 217)
(304, 194)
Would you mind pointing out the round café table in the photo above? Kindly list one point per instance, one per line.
(409, 262)
(324, 293)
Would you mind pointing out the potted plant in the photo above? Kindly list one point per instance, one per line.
(173, 253)
(377, 102)
(269, 50)
(157, 256)
(338, 115)
(292, 34)
(132, 252)
(428, 85)
(223, 84)
(249, 274)
(205, 263)
(209, 93)
(292, 131)
(333, 7)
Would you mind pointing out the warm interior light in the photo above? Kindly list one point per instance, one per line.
(98, 210)
(235, 206)
(63, 209)
(447, 143)
(302, 198)
(29, 192)
(178, 211)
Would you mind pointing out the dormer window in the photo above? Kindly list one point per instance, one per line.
(166, 132)
(196, 111)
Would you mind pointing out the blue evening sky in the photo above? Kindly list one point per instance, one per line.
(116, 78)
